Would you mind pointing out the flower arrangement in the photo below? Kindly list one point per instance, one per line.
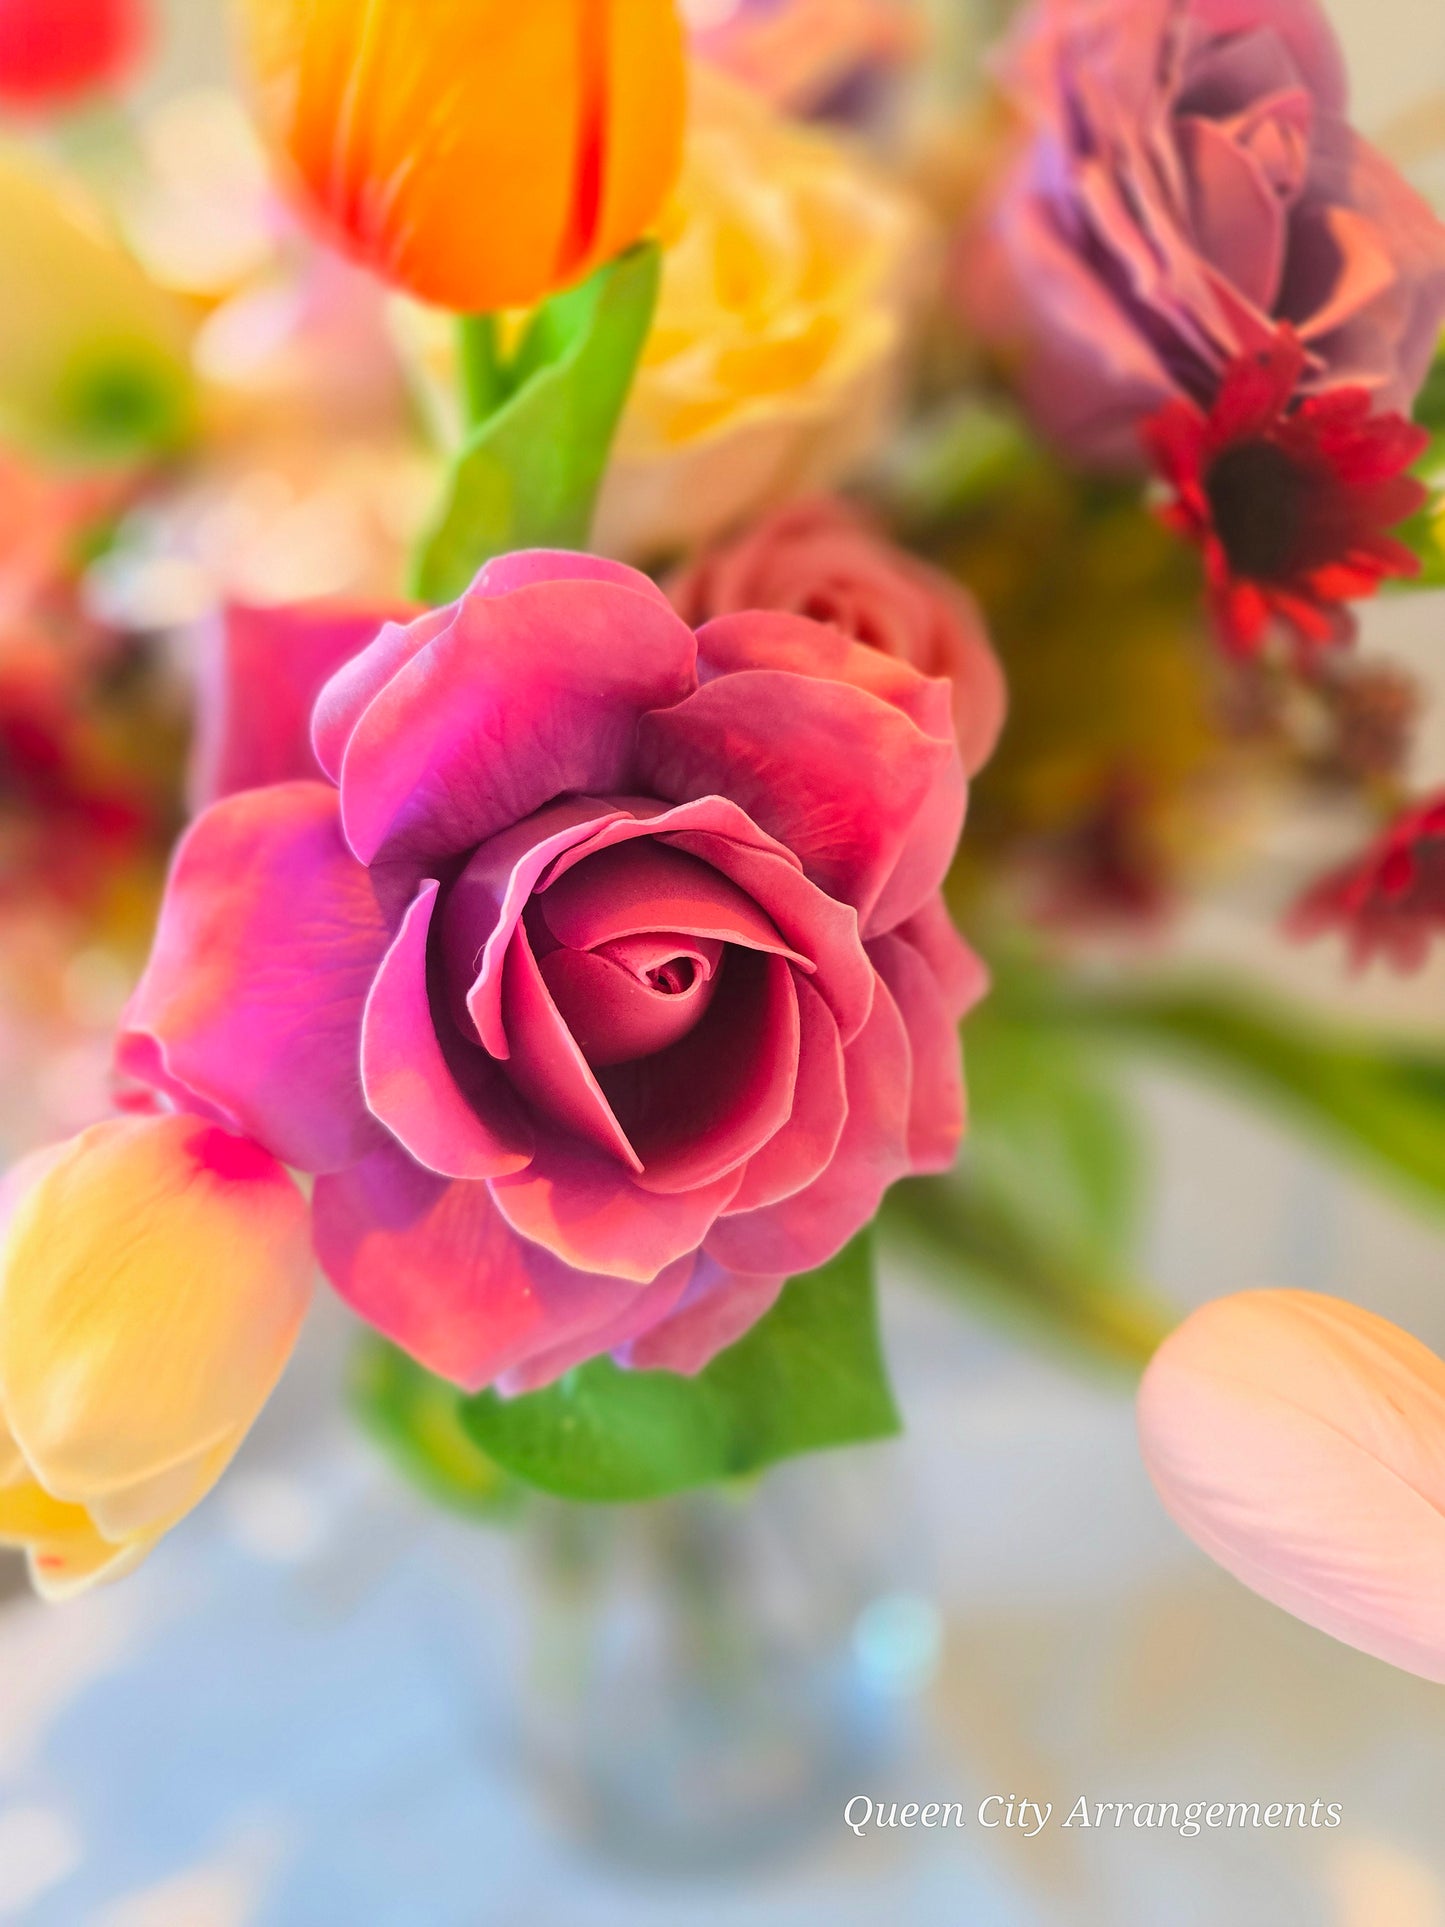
(569, 950)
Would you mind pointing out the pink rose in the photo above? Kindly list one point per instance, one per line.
(259, 671)
(1188, 182)
(821, 559)
(604, 982)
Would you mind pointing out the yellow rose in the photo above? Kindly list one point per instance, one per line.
(791, 273)
(153, 1277)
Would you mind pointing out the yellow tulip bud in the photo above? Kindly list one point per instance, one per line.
(153, 1277)
(478, 153)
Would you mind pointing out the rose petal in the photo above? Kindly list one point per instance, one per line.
(648, 1304)
(591, 1213)
(433, 1265)
(614, 1000)
(456, 1116)
(774, 639)
(937, 1106)
(803, 1147)
(259, 675)
(814, 924)
(961, 973)
(545, 1062)
(347, 696)
(864, 797)
(1301, 1442)
(701, 1108)
(270, 934)
(560, 672)
(486, 902)
(637, 886)
(805, 1230)
(1239, 224)
(343, 700)
(714, 1312)
(524, 567)
(1304, 30)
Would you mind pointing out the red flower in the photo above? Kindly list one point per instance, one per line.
(1108, 871)
(1290, 500)
(54, 52)
(1390, 900)
(62, 820)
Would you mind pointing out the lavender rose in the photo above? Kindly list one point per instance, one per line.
(1189, 183)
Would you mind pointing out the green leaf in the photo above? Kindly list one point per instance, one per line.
(413, 1415)
(1424, 532)
(528, 473)
(1429, 409)
(961, 459)
(1377, 1100)
(809, 1375)
(1050, 1131)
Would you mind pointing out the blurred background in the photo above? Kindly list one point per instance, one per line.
(327, 1699)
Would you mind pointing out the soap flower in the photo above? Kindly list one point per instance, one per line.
(1186, 180)
(1289, 496)
(822, 558)
(1300, 1442)
(600, 973)
(476, 153)
(56, 53)
(154, 1272)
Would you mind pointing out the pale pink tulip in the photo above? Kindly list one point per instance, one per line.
(1300, 1441)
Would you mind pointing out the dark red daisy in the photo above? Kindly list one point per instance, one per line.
(1290, 499)
(60, 822)
(1391, 900)
(1107, 871)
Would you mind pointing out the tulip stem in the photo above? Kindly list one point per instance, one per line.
(483, 373)
(541, 423)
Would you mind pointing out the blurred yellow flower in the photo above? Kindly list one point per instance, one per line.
(94, 360)
(153, 1277)
(791, 273)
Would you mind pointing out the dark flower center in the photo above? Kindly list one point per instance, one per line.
(1259, 499)
(675, 978)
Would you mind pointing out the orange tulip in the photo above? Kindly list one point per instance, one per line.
(478, 153)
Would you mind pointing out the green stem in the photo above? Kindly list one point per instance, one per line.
(540, 423)
(998, 1257)
(483, 372)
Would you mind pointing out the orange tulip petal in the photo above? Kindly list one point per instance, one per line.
(646, 103)
(478, 155)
